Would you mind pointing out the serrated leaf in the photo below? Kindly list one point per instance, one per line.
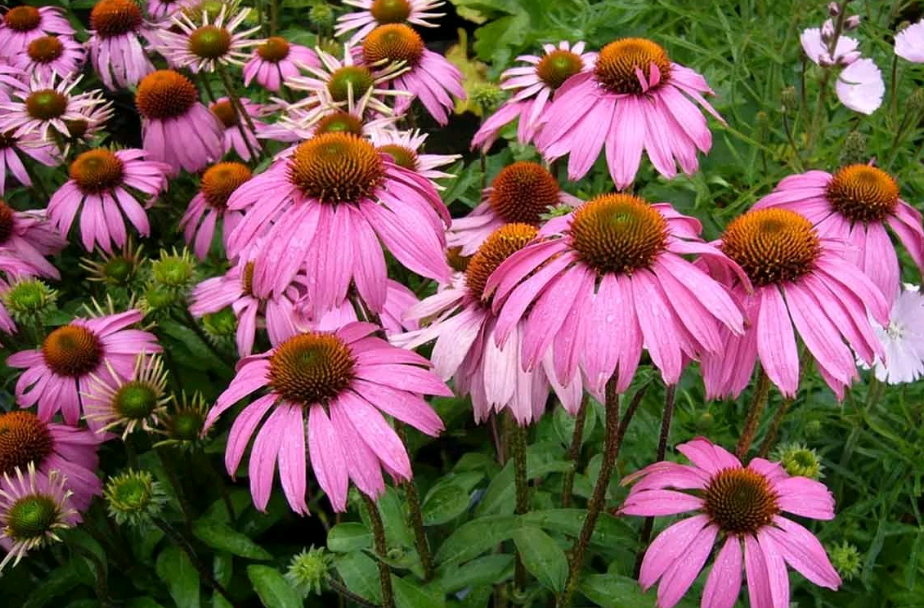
(444, 504)
(272, 588)
(615, 591)
(475, 537)
(349, 536)
(174, 568)
(410, 595)
(542, 557)
(224, 538)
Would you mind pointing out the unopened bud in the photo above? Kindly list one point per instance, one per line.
(133, 497)
(789, 99)
(322, 15)
(848, 58)
(308, 569)
(854, 150)
(834, 9)
(488, 96)
(29, 299)
(851, 23)
(799, 461)
(827, 31)
(846, 560)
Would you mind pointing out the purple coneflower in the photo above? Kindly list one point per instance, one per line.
(276, 61)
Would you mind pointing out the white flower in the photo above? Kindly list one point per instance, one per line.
(909, 44)
(903, 339)
(860, 87)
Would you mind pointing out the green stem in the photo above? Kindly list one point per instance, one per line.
(274, 17)
(518, 447)
(413, 498)
(341, 590)
(774, 430)
(758, 403)
(574, 454)
(187, 548)
(381, 549)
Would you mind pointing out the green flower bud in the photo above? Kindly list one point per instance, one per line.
(183, 424)
(322, 16)
(846, 559)
(174, 270)
(118, 269)
(308, 569)
(812, 429)
(220, 327)
(29, 299)
(789, 99)
(854, 150)
(799, 460)
(133, 497)
(488, 95)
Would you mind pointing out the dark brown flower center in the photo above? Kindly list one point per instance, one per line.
(77, 128)
(275, 49)
(522, 192)
(225, 112)
(72, 350)
(401, 156)
(210, 42)
(863, 194)
(22, 18)
(247, 279)
(45, 49)
(23, 439)
(558, 66)
(740, 501)
(7, 140)
(112, 18)
(7, 222)
(46, 104)
(391, 11)
(165, 94)
(772, 245)
(500, 245)
(393, 43)
(350, 77)
(97, 171)
(336, 168)
(457, 261)
(339, 122)
(619, 62)
(618, 234)
(220, 181)
(311, 368)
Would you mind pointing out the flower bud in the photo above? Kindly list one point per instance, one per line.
(848, 58)
(184, 421)
(174, 270)
(854, 150)
(834, 9)
(851, 23)
(29, 299)
(789, 99)
(308, 569)
(827, 31)
(799, 461)
(846, 560)
(322, 16)
(133, 497)
(488, 95)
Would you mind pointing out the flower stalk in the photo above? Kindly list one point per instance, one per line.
(381, 548)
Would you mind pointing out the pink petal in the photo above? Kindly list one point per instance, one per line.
(724, 582)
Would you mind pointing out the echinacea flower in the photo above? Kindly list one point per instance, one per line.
(27, 236)
(51, 54)
(855, 205)
(176, 127)
(201, 47)
(210, 204)
(127, 402)
(90, 122)
(235, 128)
(45, 104)
(466, 348)
(23, 24)
(7, 324)
(34, 509)
(635, 99)
(428, 76)
(11, 161)
(909, 43)
(315, 115)
(60, 370)
(393, 317)
(902, 339)
(795, 277)
(103, 186)
(328, 209)
(521, 193)
(406, 150)
(740, 508)
(613, 262)
(343, 382)
(115, 47)
(534, 85)
(27, 439)
(276, 61)
(373, 13)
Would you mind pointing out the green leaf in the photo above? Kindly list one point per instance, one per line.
(609, 532)
(542, 557)
(482, 572)
(349, 536)
(475, 537)
(222, 569)
(174, 568)
(444, 503)
(615, 591)
(59, 581)
(360, 575)
(500, 497)
(224, 538)
(143, 602)
(272, 588)
(409, 595)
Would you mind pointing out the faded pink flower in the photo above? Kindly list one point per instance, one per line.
(236, 127)
(28, 237)
(373, 13)
(909, 43)
(12, 149)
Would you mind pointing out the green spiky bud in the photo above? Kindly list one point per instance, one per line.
(789, 99)
(133, 497)
(220, 326)
(854, 150)
(488, 95)
(183, 424)
(29, 299)
(846, 559)
(812, 429)
(799, 460)
(308, 569)
(174, 270)
(322, 16)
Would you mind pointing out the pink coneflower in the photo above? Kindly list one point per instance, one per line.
(23, 24)
(235, 128)
(614, 262)
(398, 301)
(855, 205)
(115, 47)
(201, 47)
(343, 382)
(103, 187)
(91, 121)
(27, 237)
(374, 13)
(235, 289)
(33, 511)
(466, 345)
(7, 325)
(276, 61)
(521, 192)
(909, 43)
(428, 77)
(26, 438)
(406, 150)
(11, 150)
(51, 54)
(177, 129)
(794, 277)
(740, 507)
(534, 84)
(902, 339)
(136, 401)
(211, 204)
(635, 99)
(59, 371)
(319, 114)
(160, 9)
(334, 199)
(45, 104)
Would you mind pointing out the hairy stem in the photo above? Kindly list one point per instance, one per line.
(518, 448)
(574, 453)
(381, 549)
(758, 403)
(413, 498)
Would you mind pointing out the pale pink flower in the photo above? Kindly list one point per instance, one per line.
(616, 261)
(28, 237)
(115, 44)
(393, 318)
(319, 114)
(373, 13)
(533, 85)
(45, 104)
(343, 382)
(130, 402)
(794, 277)
(177, 129)
(856, 205)
(161, 9)
(902, 339)
(522, 192)
(60, 370)
(202, 46)
(406, 150)
(233, 126)
(276, 61)
(12, 149)
(634, 100)
(466, 348)
(742, 509)
(51, 54)
(860, 87)
(909, 43)
(819, 50)
(210, 204)
(329, 208)
(23, 24)
(103, 187)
